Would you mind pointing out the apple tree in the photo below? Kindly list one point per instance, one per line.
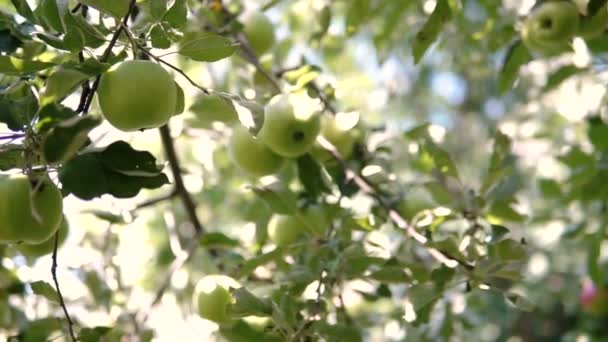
(303, 170)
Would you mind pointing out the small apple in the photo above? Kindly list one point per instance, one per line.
(46, 247)
(251, 155)
(284, 230)
(342, 138)
(286, 133)
(259, 32)
(30, 211)
(214, 108)
(135, 95)
(212, 297)
(550, 27)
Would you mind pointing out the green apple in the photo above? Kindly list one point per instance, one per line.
(259, 32)
(46, 247)
(214, 108)
(135, 95)
(251, 155)
(30, 211)
(342, 138)
(594, 26)
(550, 27)
(284, 230)
(286, 133)
(212, 297)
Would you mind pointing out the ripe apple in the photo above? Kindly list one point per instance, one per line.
(259, 32)
(212, 297)
(251, 155)
(286, 133)
(46, 247)
(135, 95)
(342, 138)
(594, 300)
(284, 230)
(550, 27)
(212, 108)
(594, 26)
(30, 212)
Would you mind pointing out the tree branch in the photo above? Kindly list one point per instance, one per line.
(61, 301)
(106, 54)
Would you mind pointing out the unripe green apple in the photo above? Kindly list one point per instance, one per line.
(259, 32)
(286, 133)
(46, 247)
(284, 230)
(595, 26)
(251, 155)
(214, 108)
(212, 297)
(343, 139)
(135, 95)
(550, 27)
(29, 213)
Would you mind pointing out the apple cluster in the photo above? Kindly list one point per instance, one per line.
(552, 24)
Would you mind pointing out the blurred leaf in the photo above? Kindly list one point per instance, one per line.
(67, 138)
(246, 304)
(278, 198)
(560, 75)
(594, 267)
(18, 106)
(206, 47)
(598, 133)
(44, 289)
(251, 264)
(216, 239)
(177, 14)
(11, 157)
(106, 216)
(431, 29)
(516, 56)
(93, 334)
(311, 175)
(356, 14)
(520, 302)
(507, 249)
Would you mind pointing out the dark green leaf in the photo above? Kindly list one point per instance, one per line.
(311, 176)
(517, 56)
(216, 239)
(206, 47)
(431, 29)
(46, 290)
(279, 199)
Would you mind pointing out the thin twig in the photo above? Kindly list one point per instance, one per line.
(180, 188)
(178, 70)
(61, 301)
(249, 54)
(106, 54)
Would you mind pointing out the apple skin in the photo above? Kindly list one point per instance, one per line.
(212, 297)
(212, 108)
(46, 247)
(284, 230)
(17, 204)
(285, 133)
(251, 155)
(594, 301)
(550, 27)
(593, 27)
(135, 95)
(343, 140)
(259, 31)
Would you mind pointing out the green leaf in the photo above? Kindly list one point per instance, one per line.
(93, 334)
(48, 12)
(593, 6)
(44, 289)
(338, 332)
(498, 168)
(157, 8)
(311, 175)
(159, 37)
(116, 8)
(594, 265)
(251, 264)
(60, 84)
(18, 67)
(498, 232)
(598, 133)
(177, 14)
(216, 239)
(390, 274)
(507, 250)
(516, 56)
(423, 295)
(18, 106)
(67, 138)
(356, 14)
(11, 157)
(118, 170)
(24, 10)
(521, 302)
(106, 216)
(241, 331)
(560, 75)
(206, 47)
(246, 304)
(441, 159)
(431, 29)
(278, 198)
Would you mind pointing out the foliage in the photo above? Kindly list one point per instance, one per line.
(457, 187)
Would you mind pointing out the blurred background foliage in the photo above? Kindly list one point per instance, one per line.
(522, 159)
